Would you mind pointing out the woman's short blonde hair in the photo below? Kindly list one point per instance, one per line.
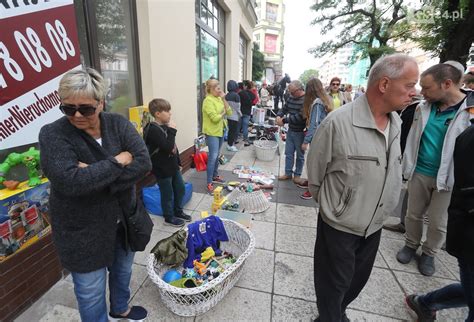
(211, 84)
(84, 83)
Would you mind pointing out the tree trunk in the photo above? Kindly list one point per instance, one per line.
(460, 39)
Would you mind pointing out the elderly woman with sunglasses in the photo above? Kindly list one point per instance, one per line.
(338, 98)
(93, 160)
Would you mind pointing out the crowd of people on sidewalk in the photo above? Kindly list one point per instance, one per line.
(364, 150)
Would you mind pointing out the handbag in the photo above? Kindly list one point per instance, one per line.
(139, 227)
(200, 160)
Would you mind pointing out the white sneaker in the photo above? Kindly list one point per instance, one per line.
(232, 148)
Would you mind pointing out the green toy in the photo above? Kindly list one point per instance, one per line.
(30, 159)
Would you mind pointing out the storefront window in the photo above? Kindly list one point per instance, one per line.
(108, 43)
(242, 57)
(210, 49)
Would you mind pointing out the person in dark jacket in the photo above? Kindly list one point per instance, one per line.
(459, 238)
(93, 161)
(246, 98)
(160, 138)
(233, 98)
(407, 119)
(292, 113)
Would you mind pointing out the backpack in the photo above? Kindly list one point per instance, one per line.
(145, 135)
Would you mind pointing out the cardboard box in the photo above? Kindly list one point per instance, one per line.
(23, 216)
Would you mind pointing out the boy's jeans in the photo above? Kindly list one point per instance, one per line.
(172, 193)
(90, 287)
(294, 140)
(214, 143)
(245, 126)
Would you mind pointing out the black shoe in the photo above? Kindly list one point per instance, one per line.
(426, 265)
(398, 228)
(344, 318)
(184, 216)
(174, 221)
(424, 314)
(247, 143)
(137, 313)
(405, 255)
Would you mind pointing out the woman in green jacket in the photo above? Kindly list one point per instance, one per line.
(214, 111)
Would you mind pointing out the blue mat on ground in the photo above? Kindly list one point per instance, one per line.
(152, 198)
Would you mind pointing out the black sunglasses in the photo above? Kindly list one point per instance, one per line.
(70, 110)
(335, 84)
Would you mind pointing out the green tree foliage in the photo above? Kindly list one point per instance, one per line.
(307, 75)
(446, 28)
(258, 65)
(367, 24)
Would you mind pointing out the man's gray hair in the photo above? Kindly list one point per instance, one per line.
(297, 84)
(82, 83)
(391, 66)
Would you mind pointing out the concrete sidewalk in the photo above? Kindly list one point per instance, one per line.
(277, 283)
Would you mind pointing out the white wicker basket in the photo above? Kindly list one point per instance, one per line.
(252, 202)
(265, 149)
(198, 300)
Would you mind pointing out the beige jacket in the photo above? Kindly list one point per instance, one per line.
(352, 175)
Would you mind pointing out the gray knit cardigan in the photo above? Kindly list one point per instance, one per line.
(85, 203)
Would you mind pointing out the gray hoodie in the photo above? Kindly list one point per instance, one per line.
(234, 100)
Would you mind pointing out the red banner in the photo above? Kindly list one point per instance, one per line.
(35, 48)
(270, 43)
(38, 44)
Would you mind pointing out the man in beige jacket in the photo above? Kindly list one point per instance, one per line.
(354, 173)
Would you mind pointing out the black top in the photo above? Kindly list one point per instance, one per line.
(460, 233)
(246, 98)
(166, 162)
(292, 113)
(85, 203)
(407, 119)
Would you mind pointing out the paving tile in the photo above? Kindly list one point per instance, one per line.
(205, 204)
(379, 261)
(417, 283)
(290, 309)
(297, 215)
(383, 287)
(450, 262)
(258, 271)
(149, 297)
(61, 294)
(360, 316)
(391, 234)
(268, 215)
(294, 276)
(159, 224)
(292, 196)
(295, 240)
(389, 248)
(240, 305)
(139, 275)
(194, 201)
(61, 313)
(275, 163)
(264, 233)
(141, 258)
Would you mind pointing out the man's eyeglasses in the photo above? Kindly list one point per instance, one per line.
(335, 84)
(70, 110)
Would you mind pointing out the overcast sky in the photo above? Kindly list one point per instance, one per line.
(299, 37)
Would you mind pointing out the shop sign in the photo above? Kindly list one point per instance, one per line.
(38, 44)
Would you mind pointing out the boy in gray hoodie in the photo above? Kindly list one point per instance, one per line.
(233, 120)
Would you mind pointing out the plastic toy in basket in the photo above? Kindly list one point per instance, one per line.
(198, 300)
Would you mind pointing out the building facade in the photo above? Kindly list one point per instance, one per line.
(269, 35)
(145, 49)
(336, 65)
